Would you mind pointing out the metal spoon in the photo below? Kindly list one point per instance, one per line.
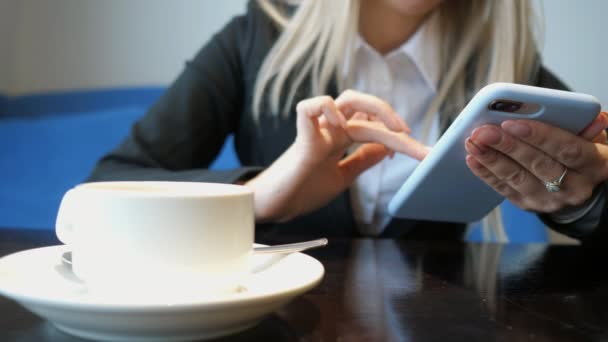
(291, 247)
(276, 249)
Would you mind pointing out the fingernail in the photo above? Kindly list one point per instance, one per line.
(343, 121)
(603, 120)
(474, 163)
(345, 109)
(406, 129)
(596, 127)
(487, 135)
(475, 132)
(475, 149)
(517, 128)
(397, 126)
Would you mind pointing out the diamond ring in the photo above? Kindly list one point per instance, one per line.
(555, 186)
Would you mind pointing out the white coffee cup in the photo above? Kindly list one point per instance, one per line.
(162, 239)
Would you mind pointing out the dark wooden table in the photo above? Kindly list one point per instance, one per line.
(388, 290)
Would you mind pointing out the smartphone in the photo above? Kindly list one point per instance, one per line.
(442, 188)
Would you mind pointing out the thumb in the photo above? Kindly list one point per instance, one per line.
(364, 157)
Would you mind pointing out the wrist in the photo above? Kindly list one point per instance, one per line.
(275, 188)
(572, 214)
(305, 155)
(262, 208)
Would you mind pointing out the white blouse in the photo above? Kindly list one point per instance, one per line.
(407, 79)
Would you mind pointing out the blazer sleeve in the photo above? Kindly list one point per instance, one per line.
(181, 134)
(590, 223)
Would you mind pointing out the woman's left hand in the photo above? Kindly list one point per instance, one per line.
(517, 158)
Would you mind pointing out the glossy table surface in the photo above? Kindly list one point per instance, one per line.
(391, 290)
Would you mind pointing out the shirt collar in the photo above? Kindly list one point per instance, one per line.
(422, 48)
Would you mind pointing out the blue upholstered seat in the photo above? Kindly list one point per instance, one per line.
(520, 226)
(50, 142)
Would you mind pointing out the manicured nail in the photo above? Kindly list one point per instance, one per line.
(595, 128)
(603, 120)
(405, 127)
(517, 128)
(343, 122)
(472, 162)
(486, 135)
(474, 149)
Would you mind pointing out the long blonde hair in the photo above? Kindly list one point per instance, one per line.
(482, 41)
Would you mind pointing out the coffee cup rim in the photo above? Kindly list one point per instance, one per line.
(167, 189)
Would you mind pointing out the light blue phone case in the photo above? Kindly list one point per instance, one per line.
(442, 188)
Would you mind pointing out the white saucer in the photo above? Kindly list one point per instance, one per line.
(39, 281)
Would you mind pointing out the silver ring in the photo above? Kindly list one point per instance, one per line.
(555, 186)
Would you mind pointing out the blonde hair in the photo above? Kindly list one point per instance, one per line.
(482, 41)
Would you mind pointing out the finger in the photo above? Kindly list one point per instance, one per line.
(364, 157)
(507, 170)
(575, 190)
(370, 131)
(350, 102)
(323, 123)
(491, 179)
(307, 125)
(322, 105)
(595, 128)
(568, 149)
(530, 203)
(360, 116)
(542, 166)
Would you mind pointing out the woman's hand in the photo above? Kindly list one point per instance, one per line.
(314, 170)
(519, 156)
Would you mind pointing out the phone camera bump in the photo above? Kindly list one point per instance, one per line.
(506, 106)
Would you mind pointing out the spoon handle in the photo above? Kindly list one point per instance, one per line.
(276, 249)
(291, 247)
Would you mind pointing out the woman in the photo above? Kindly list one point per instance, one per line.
(276, 78)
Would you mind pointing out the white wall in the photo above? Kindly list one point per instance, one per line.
(65, 44)
(576, 44)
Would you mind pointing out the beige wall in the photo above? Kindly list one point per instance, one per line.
(7, 8)
(64, 44)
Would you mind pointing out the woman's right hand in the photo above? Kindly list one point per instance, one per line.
(314, 169)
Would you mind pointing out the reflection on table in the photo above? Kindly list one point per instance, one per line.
(387, 290)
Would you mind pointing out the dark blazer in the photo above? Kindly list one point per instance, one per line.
(212, 97)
